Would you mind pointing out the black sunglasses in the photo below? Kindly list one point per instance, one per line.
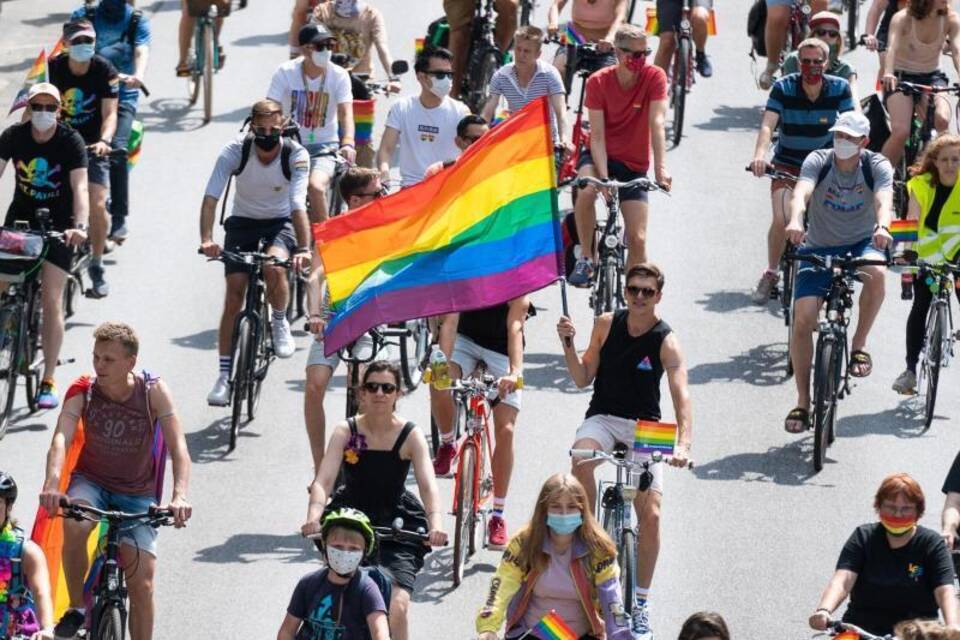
(324, 46)
(440, 75)
(386, 387)
(826, 33)
(51, 108)
(642, 53)
(371, 194)
(646, 292)
(809, 61)
(82, 40)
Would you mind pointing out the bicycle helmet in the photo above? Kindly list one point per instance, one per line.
(349, 519)
(8, 488)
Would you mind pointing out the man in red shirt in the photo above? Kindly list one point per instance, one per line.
(627, 104)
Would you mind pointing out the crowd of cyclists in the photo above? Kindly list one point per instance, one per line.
(299, 156)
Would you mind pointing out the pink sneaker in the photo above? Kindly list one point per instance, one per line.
(497, 533)
(446, 454)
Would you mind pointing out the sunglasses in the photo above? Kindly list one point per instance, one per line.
(82, 40)
(266, 131)
(386, 387)
(636, 55)
(50, 108)
(370, 194)
(811, 61)
(324, 46)
(440, 75)
(826, 33)
(646, 292)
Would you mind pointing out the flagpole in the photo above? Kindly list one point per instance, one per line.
(567, 340)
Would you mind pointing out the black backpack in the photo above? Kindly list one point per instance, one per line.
(866, 167)
(756, 25)
(289, 134)
(438, 34)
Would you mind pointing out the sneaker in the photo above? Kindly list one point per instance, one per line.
(446, 454)
(283, 343)
(109, 246)
(219, 396)
(640, 622)
(906, 383)
(98, 286)
(765, 287)
(582, 274)
(119, 233)
(704, 68)
(47, 395)
(497, 533)
(767, 78)
(71, 622)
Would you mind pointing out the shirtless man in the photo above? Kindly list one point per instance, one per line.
(592, 20)
(775, 34)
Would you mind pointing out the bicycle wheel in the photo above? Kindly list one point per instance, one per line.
(610, 297)
(207, 72)
(679, 87)
(486, 64)
(464, 511)
(413, 348)
(240, 369)
(9, 338)
(853, 16)
(434, 437)
(823, 398)
(110, 625)
(291, 311)
(786, 301)
(258, 364)
(933, 352)
(526, 8)
(627, 558)
(30, 347)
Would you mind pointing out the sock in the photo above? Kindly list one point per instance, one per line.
(96, 261)
(278, 314)
(224, 366)
(641, 595)
(447, 438)
(498, 504)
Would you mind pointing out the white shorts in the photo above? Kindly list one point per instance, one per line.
(467, 354)
(609, 430)
(360, 350)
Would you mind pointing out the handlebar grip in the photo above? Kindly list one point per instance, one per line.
(65, 502)
(200, 252)
(583, 453)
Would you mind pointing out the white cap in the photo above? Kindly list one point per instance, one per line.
(43, 89)
(853, 123)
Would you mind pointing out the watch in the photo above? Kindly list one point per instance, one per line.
(82, 226)
(882, 226)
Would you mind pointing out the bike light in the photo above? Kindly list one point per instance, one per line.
(611, 241)
(685, 24)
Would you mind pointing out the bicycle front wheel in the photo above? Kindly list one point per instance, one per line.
(207, 72)
(526, 8)
(240, 368)
(853, 16)
(681, 59)
(413, 348)
(486, 66)
(9, 338)
(786, 302)
(110, 626)
(824, 398)
(464, 511)
(258, 364)
(932, 357)
(627, 557)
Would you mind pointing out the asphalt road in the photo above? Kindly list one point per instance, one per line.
(752, 532)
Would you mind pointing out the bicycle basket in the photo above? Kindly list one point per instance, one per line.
(198, 8)
(20, 254)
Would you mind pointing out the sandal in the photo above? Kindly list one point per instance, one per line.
(797, 416)
(184, 70)
(861, 364)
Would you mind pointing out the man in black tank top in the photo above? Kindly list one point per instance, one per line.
(629, 352)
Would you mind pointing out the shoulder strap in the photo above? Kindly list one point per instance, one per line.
(285, 152)
(352, 423)
(407, 428)
(149, 382)
(16, 562)
(824, 170)
(244, 158)
(866, 167)
(132, 27)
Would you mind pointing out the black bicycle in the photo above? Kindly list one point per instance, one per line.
(108, 616)
(483, 58)
(831, 373)
(682, 76)
(251, 350)
(852, 8)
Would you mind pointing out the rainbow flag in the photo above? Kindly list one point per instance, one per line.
(418, 45)
(57, 49)
(571, 36)
(478, 234)
(847, 635)
(712, 22)
(134, 145)
(552, 627)
(654, 436)
(37, 73)
(652, 27)
(904, 230)
(363, 121)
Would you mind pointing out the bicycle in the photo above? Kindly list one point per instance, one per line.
(607, 292)
(836, 627)
(251, 350)
(483, 57)
(108, 615)
(527, 7)
(831, 373)
(206, 50)
(853, 18)
(682, 72)
(614, 507)
(799, 27)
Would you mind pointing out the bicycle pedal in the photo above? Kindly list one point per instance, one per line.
(62, 362)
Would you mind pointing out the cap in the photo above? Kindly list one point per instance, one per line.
(77, 28)
(852, 123)
(314, 34)
(43, 89)
(822, 17)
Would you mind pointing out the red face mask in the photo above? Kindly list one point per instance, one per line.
(811, 73)
(636, 65)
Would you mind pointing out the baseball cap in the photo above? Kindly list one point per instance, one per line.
(43, 89)
(852, 123)
(77, 28)
(314, 34)
(822, 17)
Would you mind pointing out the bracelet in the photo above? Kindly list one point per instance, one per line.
(302, 250)
(347, 144)
(824, 609)
(106, 142)
(882, 226)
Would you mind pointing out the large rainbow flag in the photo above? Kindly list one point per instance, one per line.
(48, 532)
(477, 234)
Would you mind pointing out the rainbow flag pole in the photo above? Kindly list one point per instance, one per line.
(550, 627)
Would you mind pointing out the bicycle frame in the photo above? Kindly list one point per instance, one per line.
(477, 415)
(799, 24)
(253, 310)
(611, 258)
(207, 20)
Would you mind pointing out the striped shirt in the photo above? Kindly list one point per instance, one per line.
(546, 81)
(805, 125)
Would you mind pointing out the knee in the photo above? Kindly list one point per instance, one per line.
(668, 42)
(803, 323)
(141, 590)
(637, 238)
(316, 387)
(650, 521)
(275, 275)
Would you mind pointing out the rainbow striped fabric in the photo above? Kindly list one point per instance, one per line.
(904, 230)
(552, 627)
(135, 144)
(363, 121)
(477, 234)
(652, 27)
(37, 73)
(571, 35)
(712, 22)
(654, 436)
(847, 635)
(418, 45)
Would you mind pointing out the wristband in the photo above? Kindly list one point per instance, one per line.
(302, 250)
(81, 226)
(347, 144)
(825, 610)
(882, 226)
(106, 142)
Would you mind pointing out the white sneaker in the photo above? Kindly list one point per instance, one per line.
(219, 396)
(283, 343)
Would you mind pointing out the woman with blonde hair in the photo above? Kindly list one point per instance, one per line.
(560, 561)
(924, 630)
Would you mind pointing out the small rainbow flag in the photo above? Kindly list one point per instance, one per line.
(418, 45)
(552, 627)
(135, 144)
(37, 73)
(654, 436)
(712, 23)
(363, 121)
(904, 230)
(847, 635)
(571, 36)
(653, 24)
(57, 49)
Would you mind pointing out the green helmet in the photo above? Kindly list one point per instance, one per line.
(349, 519)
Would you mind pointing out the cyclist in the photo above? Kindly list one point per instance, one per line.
(629, 352)
(190, 10)
(847, 193)
(50, 162)
(339, 597)
(89, 86)
(704, 625)
(892, 570)
(826, 26)
(562, 560)
(470, 129)
(528, 78)
(374, 450)
(803, 106)
(358, 186)
(269, 209)
(627, 104)
(26, 609)
(935, 204)
(669, 14)
(316, 94)
(123, 38)
(775, 34)
(878, 22)
(116, 469)
(593, 21)
(915, 43)
(460, 14)
(424, 125)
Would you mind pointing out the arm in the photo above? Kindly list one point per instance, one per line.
(606, 578)
(619, 13)
(516, 316)
(598, 143)
(81, 196)
(553, 15)
(873, 16)
(62, 437)
(377, 623)
(854, 92)
(503, 585)
(952, 41)
(161, 404)
(676, 368)
(836, 592)
(288, 628)
(108, 110)
(315, 294)
(490, 108)
(797, 204)
(893, 41)
(950, 518)
(379, 37)
(946, 596)
(227, 162)
(141, 56)
(764, 136)
(322, 484)
(388, 144)
(3, 165)
(297, 20)
(348, 146)
(447, 335)
(208, 213)
(38, 577)
(658, 139)
(584, 369)
(427, 483)
(559, 106)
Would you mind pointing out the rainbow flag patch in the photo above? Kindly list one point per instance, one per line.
(571, 36)
(904, 230)
(653, 24)
(654, 436)
(363, 121)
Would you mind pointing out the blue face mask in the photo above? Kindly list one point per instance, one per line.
(81, 52)
(564, 523)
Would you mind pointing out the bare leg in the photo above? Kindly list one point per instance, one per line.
(668, 44)
(140, 568)
(278, 287)
(585, 472)
(506, 22)
(99, 220)
(75, 563)
(54, 279)
(318, 379)
(871, 299)
(635, 213)
(801, 345)
(399, 607)
(185, 33)
(317, 189)
(232, 303)
(777, 235)
(647, 505)
(504, 423)
(585, 215)
(775, 34)
(698, 23)
(900, 108)
(441, 402)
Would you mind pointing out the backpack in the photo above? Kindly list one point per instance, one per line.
(438, 34)
(756, 24)
(131, 33)
(17, 611)
(287, 136)
(872, 107)
(865, 167)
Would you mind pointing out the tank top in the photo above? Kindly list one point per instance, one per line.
(377, 480)
(17, 613)
(628, 378)
(926, 55)
(118, 450)
(593, 14)
(487, 327)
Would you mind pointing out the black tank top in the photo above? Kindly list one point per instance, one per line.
(487, 327)
(628, 378)
(375, 483)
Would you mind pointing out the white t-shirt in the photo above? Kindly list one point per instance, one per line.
(313, 107)
(426, 135)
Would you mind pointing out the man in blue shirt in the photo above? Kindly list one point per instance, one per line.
(123, 38)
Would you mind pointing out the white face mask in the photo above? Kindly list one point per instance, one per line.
(440, 88)
(343, 562)
(845, 149)
(347, 8)
(43, 120)
(320, 58)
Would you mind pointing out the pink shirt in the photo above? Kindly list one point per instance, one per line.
(555, 590)
(594, 15)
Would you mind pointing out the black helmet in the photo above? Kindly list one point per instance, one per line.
(8, 488)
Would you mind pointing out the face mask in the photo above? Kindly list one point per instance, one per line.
(898, 526)
(845, 149)
(266, 141)
(636, 65)
(43, 120)
(343, 563)
(811, 73)
(320, 58)
(564, 523)
(81, 52)
(440, 88)
(114, 9)
(347, 8)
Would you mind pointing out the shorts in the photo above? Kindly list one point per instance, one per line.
(459, 13)
(933, 79)
(141, 536)
(245, 234)
(777, 184)
(361, 349)
(669, 13)
(618, 171)
(814, 281)
(323, 157)
(467, 354)
(98, 170)
(59, 254)
(609, 430)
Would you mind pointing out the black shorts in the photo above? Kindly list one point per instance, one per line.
(618, 171)
(59, 254)
(669, 13)
(245, 234)
(933, 79)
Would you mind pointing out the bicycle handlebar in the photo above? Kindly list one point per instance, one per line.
(248, 257)
(113, 153)
(655, 458)
(776, 174)
(644, 183)
(80, 511)
(840, 262)
(397, 532)
(912, 88)
(838, 626)
(586, 46)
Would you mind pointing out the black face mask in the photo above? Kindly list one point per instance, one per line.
(267, 141)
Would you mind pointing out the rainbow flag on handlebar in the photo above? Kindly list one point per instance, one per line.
(363, 121)
(654, 436)
(552, 627)
(571, 36)
(904, 230)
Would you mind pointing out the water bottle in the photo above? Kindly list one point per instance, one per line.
(906, 286)
(439, 370)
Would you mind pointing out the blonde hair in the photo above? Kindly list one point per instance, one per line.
(118, 332)
(928, 160)
(627, 32)
(924, 630)
(818, 44)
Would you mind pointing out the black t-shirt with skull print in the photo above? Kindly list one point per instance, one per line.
(81, 97)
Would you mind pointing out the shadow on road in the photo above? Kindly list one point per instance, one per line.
(23, 65)
(47, 20)
(435, 581)
(727, 118)
(173, 115)
(210, 443)
(789, 465)
(547, 371)
(262, 39)
(725, 301)
(244, 548)
(162, 5)
(206, 340)
(903, 421)
(762, 366)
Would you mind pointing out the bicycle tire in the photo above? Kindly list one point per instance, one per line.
(627, 558)
(240, 371)
(70, 288)
(526, 8)
(464, 512)
(207, 72)
(301, 295)
(900, 196)
(931, 362)
(258, 364)
(29, 365)
(786, 301)
(630, 11)
(853, 7)
(9, 340)
(486, 65)
(291, 310)
(110, 623)
(681, 58)
(434, 437)
(611, 297)
(823, 398)
(417, 336)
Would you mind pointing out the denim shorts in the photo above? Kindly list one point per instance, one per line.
(98, 170)
(814, 281)
(141, 536)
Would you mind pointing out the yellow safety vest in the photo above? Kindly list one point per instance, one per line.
(940, 245)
